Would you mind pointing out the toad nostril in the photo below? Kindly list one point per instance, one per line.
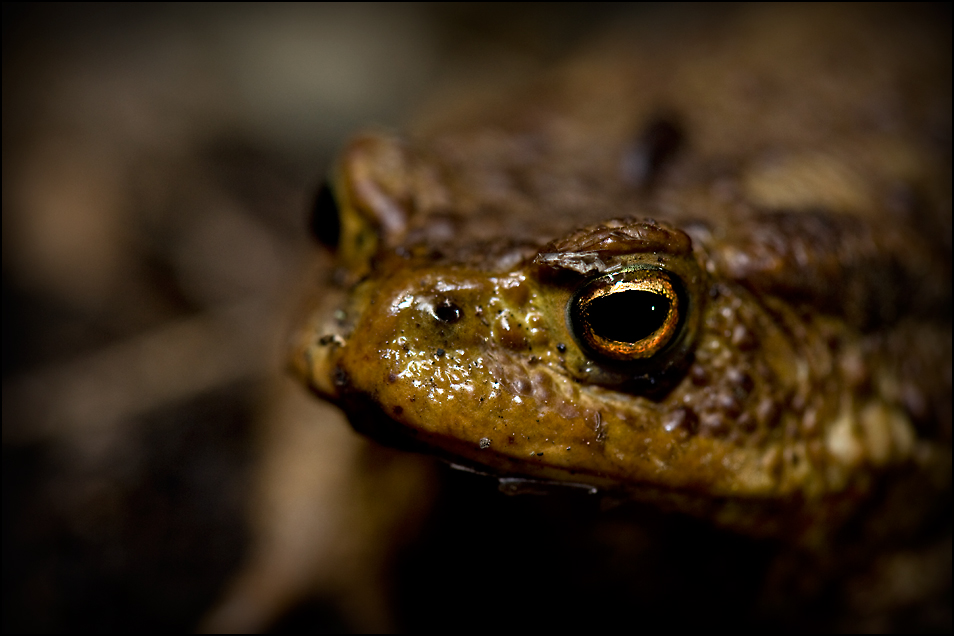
(447, 311)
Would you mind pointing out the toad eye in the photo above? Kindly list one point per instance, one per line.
(324, 221)
(630, 315)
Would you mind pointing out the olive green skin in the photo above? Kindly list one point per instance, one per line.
(809, 243)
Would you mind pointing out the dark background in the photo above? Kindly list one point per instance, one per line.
(158, 163)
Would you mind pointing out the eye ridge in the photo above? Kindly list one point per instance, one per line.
(627, 316)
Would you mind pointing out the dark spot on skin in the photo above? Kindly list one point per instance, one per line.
(741, 381)
(658, 142)
(447, 311)
(440, 353)
(324, 222)
(539, 454)
(397, 410)
(326, 339)
(392, 378)
(340, 378)
(561, 348)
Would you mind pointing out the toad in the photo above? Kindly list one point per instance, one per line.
(703, 269)
(715, 277)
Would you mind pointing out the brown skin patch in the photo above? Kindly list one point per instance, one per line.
(803, 353)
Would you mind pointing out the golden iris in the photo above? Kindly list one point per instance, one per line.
(630, 315)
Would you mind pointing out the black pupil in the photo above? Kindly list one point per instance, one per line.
(627, 316)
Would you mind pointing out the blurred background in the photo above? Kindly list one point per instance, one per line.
(158, 165)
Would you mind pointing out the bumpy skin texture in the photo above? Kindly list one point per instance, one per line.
(789, 169)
